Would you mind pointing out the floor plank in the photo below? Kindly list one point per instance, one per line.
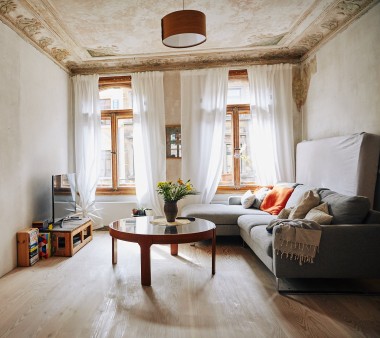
(87, 296)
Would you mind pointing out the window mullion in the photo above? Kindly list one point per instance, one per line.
(114, 150)
(236, 145)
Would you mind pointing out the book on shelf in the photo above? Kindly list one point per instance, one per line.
(33, 259)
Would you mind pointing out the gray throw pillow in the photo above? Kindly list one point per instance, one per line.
(345, 209)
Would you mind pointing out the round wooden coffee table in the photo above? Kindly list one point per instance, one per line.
(140, 230)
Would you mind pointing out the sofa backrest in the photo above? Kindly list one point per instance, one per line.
(345, 164)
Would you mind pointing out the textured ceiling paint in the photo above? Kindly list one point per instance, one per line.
(125, 35)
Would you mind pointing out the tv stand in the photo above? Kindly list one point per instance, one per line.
(70, 235)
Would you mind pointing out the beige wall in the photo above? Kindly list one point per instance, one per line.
(344, 94)
(34, 137)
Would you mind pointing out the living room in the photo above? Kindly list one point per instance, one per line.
(37, 140)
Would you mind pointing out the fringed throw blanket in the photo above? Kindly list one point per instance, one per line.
(296, 238)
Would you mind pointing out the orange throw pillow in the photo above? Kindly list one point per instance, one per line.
(276, 199)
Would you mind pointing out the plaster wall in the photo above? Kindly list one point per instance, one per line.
(172, 90)
(35, 137)
(343, 96)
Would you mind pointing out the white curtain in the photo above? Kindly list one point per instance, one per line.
(149, 138)
(272, 123)
(203, 116)
(87, 140)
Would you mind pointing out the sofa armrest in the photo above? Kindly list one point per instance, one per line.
(234, 200)
(345, 251)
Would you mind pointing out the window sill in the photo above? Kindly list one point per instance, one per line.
(118, 191)
(232, 190)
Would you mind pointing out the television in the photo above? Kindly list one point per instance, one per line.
(64, 194)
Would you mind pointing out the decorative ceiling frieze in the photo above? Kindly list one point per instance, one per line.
(92, 44)
(336, 18)
(32, 29)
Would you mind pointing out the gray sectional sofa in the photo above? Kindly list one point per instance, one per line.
(350, 246)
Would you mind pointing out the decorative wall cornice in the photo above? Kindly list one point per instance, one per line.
(32, 29)
(301, 81)
(39, 23)
(327, 25)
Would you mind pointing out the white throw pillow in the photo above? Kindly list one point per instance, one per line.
(247, 199)
(260, 195)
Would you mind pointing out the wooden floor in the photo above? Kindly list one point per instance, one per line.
(85, 296)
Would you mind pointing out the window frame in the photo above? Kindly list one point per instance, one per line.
(235, 110)
(114, 115)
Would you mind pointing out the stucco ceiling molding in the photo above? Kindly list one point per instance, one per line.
(330, 22)
(237, 59)
(42, 23)
(104, 51)
(53, 22)
(7, 6)
(30, 27)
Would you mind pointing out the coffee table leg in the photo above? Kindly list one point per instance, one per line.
(213, 251)
(114, 250)
(145, 264)
(174, 249)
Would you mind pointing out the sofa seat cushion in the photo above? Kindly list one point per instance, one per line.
(219, 213)
(262, 239)
(247, 222)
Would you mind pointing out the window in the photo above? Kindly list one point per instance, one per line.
(116, 164)
(237, 170)
(173, 142)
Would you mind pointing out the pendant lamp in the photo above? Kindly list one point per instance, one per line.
(182, 29)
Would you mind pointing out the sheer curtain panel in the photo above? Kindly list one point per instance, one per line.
(203, 116)
(149, 138)
(272, 123)
(87, 140)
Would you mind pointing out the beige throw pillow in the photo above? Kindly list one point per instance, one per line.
(308, 201)
(247, 199)
(320, 214)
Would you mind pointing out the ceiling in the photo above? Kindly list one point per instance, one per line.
(117, 36)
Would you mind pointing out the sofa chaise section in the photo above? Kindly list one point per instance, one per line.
(224, 216)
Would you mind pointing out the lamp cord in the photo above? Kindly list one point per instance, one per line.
(183, 5)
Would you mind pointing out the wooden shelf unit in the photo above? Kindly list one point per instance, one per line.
(27, 247)
(73, 236)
